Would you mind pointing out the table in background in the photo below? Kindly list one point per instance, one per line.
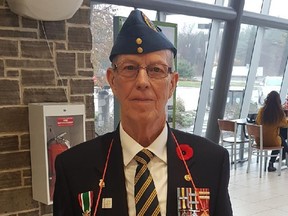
(242, 124)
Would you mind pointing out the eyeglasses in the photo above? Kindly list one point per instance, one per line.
(154, 71)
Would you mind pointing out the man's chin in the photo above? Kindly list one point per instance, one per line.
(146, 117)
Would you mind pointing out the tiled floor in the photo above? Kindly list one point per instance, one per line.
(254, 196)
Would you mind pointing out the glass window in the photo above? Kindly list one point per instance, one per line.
(252, 6)
(192, 42)
(206, 1)
(102, 38)
(278, 8)
(273, 60)
(240, 72)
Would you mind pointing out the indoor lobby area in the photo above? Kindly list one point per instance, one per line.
(54, 92)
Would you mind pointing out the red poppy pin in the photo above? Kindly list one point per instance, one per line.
(186, 151)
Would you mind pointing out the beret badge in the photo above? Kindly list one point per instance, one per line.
(148, 22)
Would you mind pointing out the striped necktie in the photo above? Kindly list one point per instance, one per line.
(146, 200)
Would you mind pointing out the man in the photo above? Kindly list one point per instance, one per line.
(187, 174)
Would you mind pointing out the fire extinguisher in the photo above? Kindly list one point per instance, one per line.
(56, 145)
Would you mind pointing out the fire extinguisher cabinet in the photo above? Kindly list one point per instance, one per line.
(54, 128)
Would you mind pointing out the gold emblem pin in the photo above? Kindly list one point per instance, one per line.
(148, 22)
(138, 41)
(187, 177)
(101, 183)
(140, 50)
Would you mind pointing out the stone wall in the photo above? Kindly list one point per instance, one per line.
(39, 62)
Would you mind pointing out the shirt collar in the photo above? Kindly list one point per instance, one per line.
(131, 147)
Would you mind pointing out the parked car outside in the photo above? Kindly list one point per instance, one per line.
(270, 83)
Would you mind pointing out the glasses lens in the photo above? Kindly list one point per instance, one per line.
(127, 70)
(157, 71)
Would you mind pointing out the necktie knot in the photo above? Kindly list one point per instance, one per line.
(144, 156)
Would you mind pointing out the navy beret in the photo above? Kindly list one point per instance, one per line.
(139, 35)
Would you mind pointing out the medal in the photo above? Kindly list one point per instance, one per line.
(187, 202)
(87, 213)
(193, 203)
(85, 201)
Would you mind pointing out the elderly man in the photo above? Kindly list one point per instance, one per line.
(144, 167)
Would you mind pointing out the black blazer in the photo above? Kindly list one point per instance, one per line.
(80, 168)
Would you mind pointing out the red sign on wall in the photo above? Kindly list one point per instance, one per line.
(65, 121)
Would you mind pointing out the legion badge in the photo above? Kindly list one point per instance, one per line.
(148, 22)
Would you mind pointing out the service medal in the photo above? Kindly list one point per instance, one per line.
(85, 200)
(193, 203)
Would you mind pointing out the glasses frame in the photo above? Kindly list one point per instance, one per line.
(116, 68)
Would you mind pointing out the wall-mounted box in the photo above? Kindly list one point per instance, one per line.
(54, 127)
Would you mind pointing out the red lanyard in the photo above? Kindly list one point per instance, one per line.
(102, 181)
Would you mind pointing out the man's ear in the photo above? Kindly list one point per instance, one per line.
(174, 81)
(110, 78)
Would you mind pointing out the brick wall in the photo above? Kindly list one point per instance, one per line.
(33, 69)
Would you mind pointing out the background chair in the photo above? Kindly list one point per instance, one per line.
(229, 138)
(255, 132)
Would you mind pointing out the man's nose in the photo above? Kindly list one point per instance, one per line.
(142, 76)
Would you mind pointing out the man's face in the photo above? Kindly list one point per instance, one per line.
(142, 97)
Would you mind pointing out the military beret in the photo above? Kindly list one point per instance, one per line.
(139, 35)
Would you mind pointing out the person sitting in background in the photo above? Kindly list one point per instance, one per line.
(272, 117)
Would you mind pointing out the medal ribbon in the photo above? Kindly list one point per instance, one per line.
(85, 201)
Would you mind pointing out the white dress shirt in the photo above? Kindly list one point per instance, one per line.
(157, 167)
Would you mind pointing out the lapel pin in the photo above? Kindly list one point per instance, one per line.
(187, 177)
(101, 183)
(107, 203)
(184, 151)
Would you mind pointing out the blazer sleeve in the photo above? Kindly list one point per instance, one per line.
(62, 204)
(223, 203)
